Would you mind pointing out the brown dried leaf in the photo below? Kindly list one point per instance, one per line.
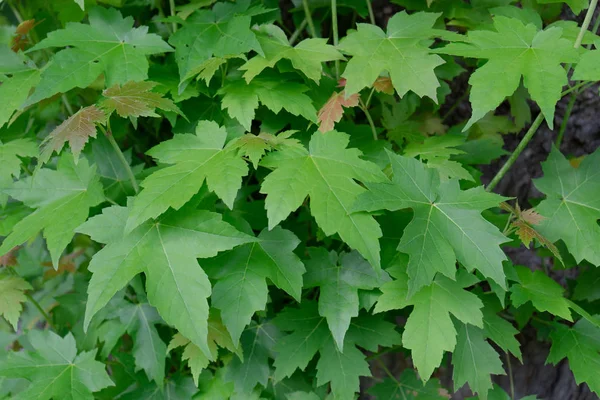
(9, 259)
(76, 130)
(135, 99)
(383, 84)
(19, 39)
(333, 110)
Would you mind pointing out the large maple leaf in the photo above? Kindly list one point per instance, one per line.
(447, 225)
(515, 50)
(403, 52)
(326, 172)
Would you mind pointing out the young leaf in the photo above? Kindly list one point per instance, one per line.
(255, 146)
(307, 56)
(332, 111)
(166, 251)
(338, 282)
(581, 345)
(62, 199)
(240, 99)
(196, 158)
(542, 291)
(437, 150)
(12, 294)
(135, 99)
(447, 225)
(572, 205)
(326, 173)
(76, 130)
(223, 31)
(241, 274)
(54, 369)
(148, 349)
(11, 163)
(109, 45)
(515, 50)
(403, 52)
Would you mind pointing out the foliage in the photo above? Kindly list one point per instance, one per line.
(226, 200)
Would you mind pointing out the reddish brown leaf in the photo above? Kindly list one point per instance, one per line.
(76, 130)
(383, 84)
(531, 217)
(333, 110)
(19, 39)
(9, 259)
(135, 99)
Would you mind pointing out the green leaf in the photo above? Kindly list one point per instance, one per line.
(307, 56)
(241, 99)
(437, 150)
(474, 360)
(501, 332)
(338, 281)
(515, 50)
(196, 359)
(148, 348)
(241, 275)
(76, 130)
(572, 205)
(62, 199)
(542, 291)
(575, 5)
(408, 387)
(109, 45)
(255, 146)
(588, 287)
(54, 369)
(14, 90)
(223, 31)
(12, 294)
(587, 67)
(135, 99)
(196, 158)
(447, 223)
(581, 345)
(326, 173)
(10, 162)
(166, 251)
(403, 52)
(311, 335)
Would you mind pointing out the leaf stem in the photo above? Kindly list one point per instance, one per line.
(586, 23)
(122, 158)
(510, 377)
(334, 28)
(565, 121)
(388, 372)
(298, 31)
(67, 104)
(513, 157)
(15, 12)
(371, 14)
(369, 118)
(172, 7)
(309, 20)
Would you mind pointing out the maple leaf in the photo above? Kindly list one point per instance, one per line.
(20, 39)
(12, 294)
(581, 346)
(332, 111)
(383, 84)
(339, 281)
(54, 368)
(109, 45)
(572, 205)
(309, 335)
(166, 251)
(474, 359)
(447, 225)
(586, 69)
(401, 52)
(307, 56)
(10, 160)
(217, 336)
(240, 99)
(437, 150)
(542, 291)
(241, 274)
(135, 99)
(515, 50)
(326, 172)
(14, 89)
(76, 130)
(221, 32)
(408, 387)
(195, 158)
(255, 146)
(62, 199)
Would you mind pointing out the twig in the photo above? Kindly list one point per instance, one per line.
(371, 14)
(309, 20)
(368, 115)
(172, 6)
(334, 27)
(298, 31)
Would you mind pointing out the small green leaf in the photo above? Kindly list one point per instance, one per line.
(12, 294)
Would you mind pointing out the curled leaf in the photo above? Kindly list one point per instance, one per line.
(333, 110)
